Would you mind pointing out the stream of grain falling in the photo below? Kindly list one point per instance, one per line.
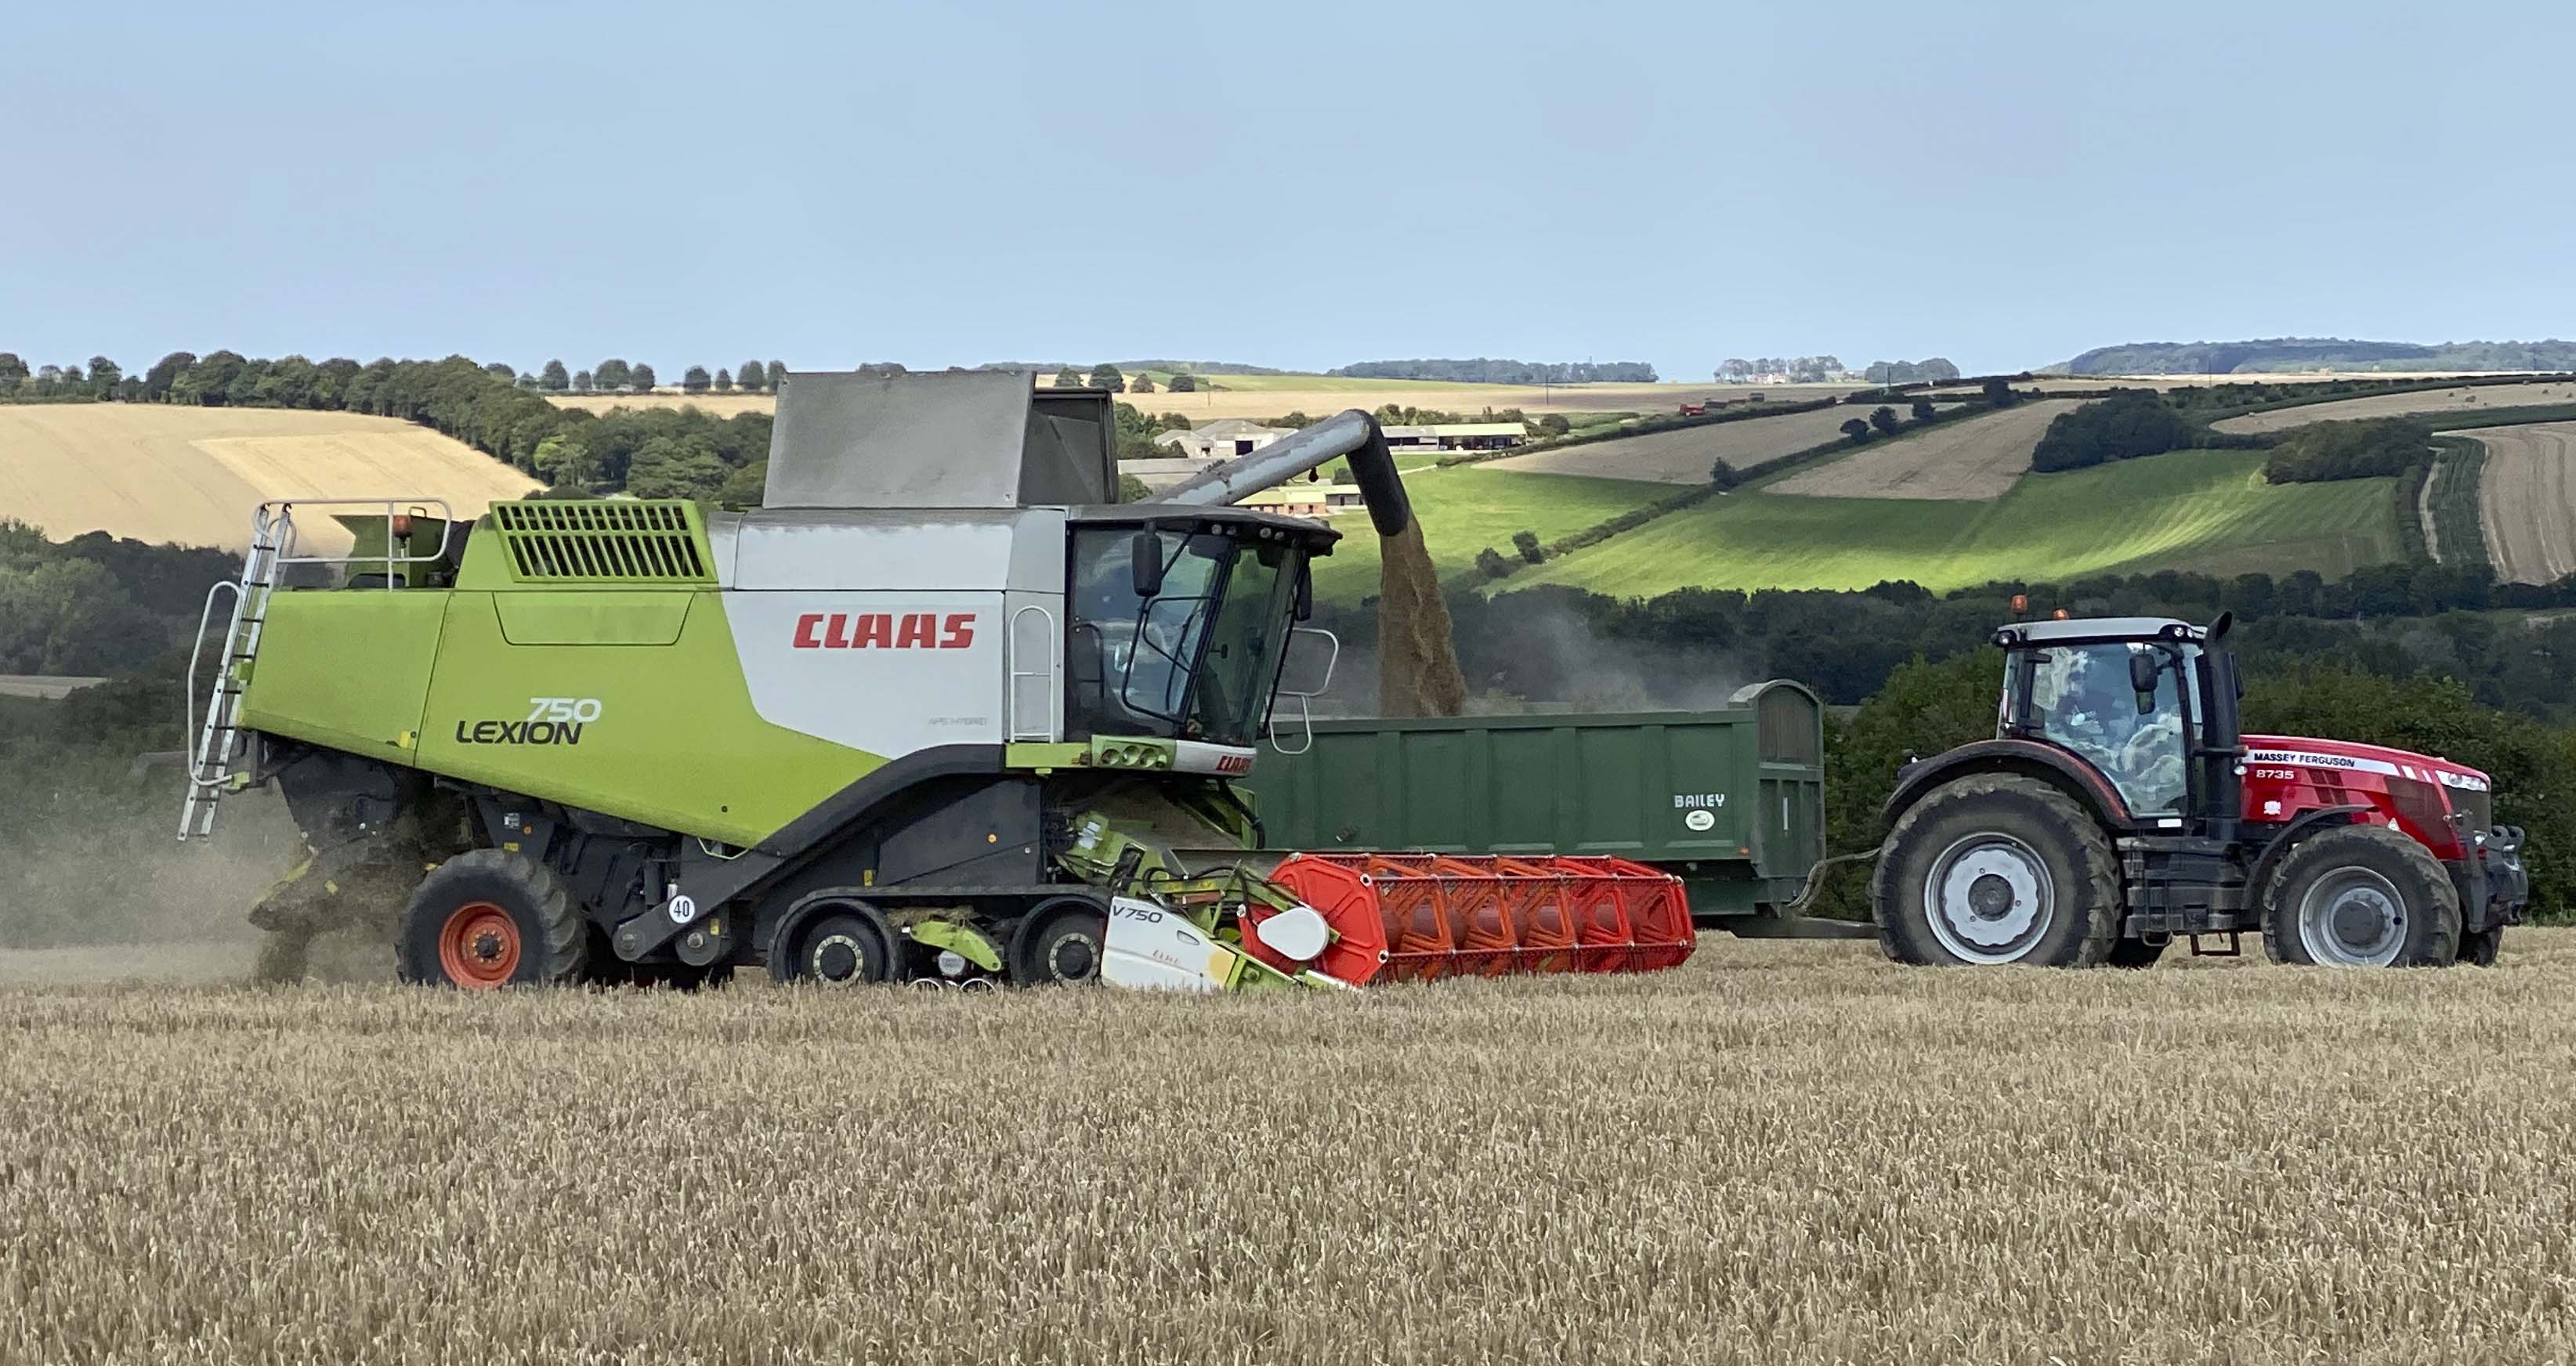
(1417, 658)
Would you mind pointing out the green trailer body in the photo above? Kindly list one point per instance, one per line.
(1731, 800)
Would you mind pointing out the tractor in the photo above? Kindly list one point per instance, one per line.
(2119, 808)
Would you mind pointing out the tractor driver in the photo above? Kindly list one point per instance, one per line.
(2095, 714)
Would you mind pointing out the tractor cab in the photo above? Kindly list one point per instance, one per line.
(2147, 703)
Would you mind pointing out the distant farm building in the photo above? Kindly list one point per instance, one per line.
(1298, 498)
(1457, 436)
(1226, 438)
(1159, 475)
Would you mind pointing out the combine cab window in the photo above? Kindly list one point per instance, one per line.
(1197, 659)
(2079, 696)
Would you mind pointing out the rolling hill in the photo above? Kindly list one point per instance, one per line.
(2273, 355)
(2209, 511)
(159, 472)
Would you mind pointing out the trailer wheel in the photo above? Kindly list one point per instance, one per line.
(488, 918)
(1061, 943)
(1994, 868)
(2480, 948)
(2360, 896)
(842, 948)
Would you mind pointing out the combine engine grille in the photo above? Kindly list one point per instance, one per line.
(593, 540)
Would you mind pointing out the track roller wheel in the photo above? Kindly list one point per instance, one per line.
(2360, 896)
(1061, 943)
(842, 947)
(486, 919)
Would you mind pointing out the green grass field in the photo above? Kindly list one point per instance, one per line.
(2207, 511)
(1465, 508)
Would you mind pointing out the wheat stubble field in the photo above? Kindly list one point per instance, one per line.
(1782, 1152)
(2526, 504)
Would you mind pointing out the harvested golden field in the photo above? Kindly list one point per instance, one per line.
(1322, 399)
(1781, 1152)
(2527, 500)
(1683, 455)
(1974, 458)
(193, 475)
(2434, 403)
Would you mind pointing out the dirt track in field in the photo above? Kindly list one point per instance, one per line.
(158, 472)
(2527, 500)
(2434, 403)
(1973, 458)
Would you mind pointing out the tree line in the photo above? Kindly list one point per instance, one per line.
(1936, 370)
(1796, 369)
(1483, 370)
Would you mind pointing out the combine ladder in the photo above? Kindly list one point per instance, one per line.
(210, 769)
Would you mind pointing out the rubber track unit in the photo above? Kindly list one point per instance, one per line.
(2050, 821)
(2418, 875)
(551, 931)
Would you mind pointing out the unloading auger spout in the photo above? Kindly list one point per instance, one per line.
(1350, 433)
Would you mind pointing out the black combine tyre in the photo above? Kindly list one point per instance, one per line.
(842, 944)
(1061, 943)
(1994, 868)
(488, 918)
(2361, 896)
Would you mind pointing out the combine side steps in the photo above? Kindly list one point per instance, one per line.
(1415, 917)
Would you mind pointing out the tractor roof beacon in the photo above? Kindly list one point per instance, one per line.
(939, 710)
(2120, 806)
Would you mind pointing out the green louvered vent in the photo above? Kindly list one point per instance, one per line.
(606, 540)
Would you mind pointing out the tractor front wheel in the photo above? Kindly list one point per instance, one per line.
(488, 918)
(1995, 868)
(2360, 896)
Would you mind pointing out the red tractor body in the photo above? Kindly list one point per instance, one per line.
(2119, 807)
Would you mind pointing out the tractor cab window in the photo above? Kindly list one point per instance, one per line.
(1197, 658)
(2081, 697)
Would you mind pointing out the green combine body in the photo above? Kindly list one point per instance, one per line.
(939, 710)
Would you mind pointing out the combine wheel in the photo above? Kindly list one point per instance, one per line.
(488, 918)
(2360, 896)
(843, 948)
(2478, 948)
(1061, 942)
(1991, 869)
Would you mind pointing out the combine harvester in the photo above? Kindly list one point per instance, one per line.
(939, 711)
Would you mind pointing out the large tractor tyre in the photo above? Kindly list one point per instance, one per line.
(488, 918)
(1992, 869)
(2360, 896)
(1062, 943)
(842, 948)
(2135, 953)
(2480, 948)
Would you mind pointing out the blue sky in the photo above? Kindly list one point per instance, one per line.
(1299, 186)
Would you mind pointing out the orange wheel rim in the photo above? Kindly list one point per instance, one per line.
(479, 946)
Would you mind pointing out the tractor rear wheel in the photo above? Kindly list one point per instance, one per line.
(2360, 896)
(488, 918)
(1995, 868)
